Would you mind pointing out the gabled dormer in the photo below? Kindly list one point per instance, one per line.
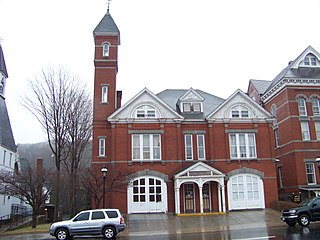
(239, 107)
(145, 107)
(308, 58)
(191, 102)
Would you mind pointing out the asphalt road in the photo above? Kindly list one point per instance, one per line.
(276, 233)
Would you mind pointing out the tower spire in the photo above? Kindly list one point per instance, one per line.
(109, 1)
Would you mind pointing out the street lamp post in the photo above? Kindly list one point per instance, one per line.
(104, 171)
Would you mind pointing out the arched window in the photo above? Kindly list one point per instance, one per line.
(302, 108)
(240, 112)
(315, 106)
(106, 48)
(146, 111)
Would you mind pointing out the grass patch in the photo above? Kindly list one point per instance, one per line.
(41, 228)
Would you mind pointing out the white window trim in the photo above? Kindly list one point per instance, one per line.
(203, 148)
(188, 147)
(104, 93)
(191, 104)
(141, 147)
(317, 129)
(145, 111)
(302, 109)
(315, 107)
(247, 146)
(102, 147)
(313, 173)
(305, 130)
(240, 110)
(106, 50)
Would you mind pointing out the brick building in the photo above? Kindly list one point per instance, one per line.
(182, 150)
(293, 98)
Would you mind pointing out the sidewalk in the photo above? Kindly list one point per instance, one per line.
(162, 224)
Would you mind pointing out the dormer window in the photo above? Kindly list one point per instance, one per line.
(310, 60)
(105, 50)
(191, 107)
(239, 112)
(145, 111)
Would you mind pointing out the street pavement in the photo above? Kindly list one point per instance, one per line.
(164, 224)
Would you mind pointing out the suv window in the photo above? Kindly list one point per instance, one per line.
(97, 215)
(82, 217)
(112, 214)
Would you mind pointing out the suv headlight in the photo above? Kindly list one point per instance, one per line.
(293, 211)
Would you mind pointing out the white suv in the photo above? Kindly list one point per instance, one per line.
(106, 222)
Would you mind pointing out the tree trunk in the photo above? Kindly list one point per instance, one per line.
(34, 217)
(57, 197)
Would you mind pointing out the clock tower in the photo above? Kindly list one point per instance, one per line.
(106, 99)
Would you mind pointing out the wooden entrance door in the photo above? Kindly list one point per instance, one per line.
(206, 197)
(189, 197)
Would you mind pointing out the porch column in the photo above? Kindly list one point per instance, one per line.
(201, 199)
(177, 200)
(223, 199)
(219, 198)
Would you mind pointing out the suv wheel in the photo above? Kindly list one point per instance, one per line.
(109, 232)
(304, 220)
(62, 234)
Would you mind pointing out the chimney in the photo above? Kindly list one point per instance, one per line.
(119, 98)
(39, 166)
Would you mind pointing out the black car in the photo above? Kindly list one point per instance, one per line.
(308, 211)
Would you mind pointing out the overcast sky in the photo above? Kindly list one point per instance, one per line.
(215, 46)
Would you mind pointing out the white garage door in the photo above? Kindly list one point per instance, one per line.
(245, 191)
(147, 194)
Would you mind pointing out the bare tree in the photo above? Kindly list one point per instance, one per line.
(78, 136)
(50, 99)
(30, 186)
(115, 182)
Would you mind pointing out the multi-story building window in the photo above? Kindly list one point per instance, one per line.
(104, 93)
(305, 130)
(302, 106)
(188, 146)
(311, 177)
(106, 50)
(102, 147)
(189, 149)
(4, 157)
(146, 147)
(315, 106)
(194, 107)
(242, 145)
(317, 127)
(145, 111)
(201, 147)
(239, 112)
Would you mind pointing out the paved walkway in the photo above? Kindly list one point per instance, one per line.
(159, 224)
(163, 224)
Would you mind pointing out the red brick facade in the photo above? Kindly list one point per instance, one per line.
(216, 177)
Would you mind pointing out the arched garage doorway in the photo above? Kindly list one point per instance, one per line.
(245, 189)
(147, 193)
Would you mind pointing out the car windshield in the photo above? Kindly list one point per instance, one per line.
(305, 202)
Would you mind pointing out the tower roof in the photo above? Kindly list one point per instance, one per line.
(6, 135)
(106, 26)
(3, 67)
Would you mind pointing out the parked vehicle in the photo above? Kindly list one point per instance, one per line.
(308, 211)
(105, 222)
